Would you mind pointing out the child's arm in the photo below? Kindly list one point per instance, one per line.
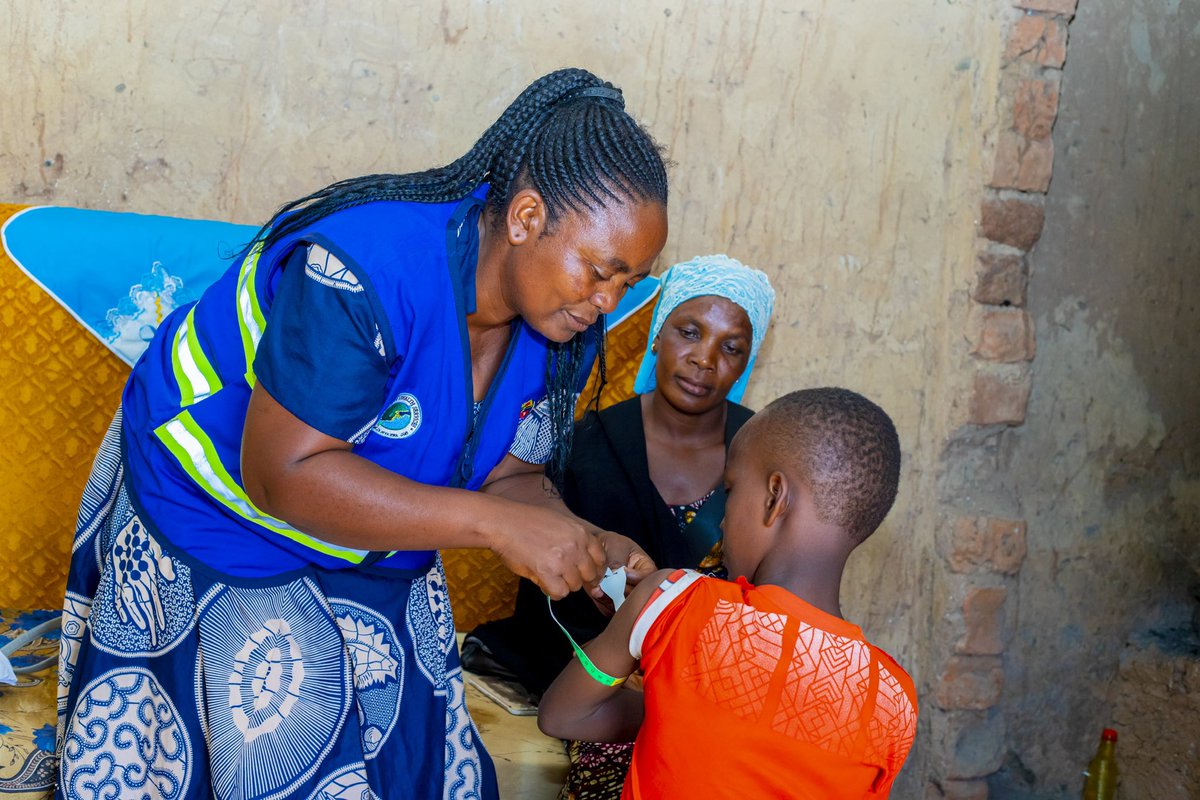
(577, 706)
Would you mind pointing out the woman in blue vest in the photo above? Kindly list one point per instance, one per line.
(255, 606)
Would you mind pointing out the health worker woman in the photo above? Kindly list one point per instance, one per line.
(255, 605)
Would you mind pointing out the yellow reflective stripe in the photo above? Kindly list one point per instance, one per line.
(195, 452)
(250, 317)
(194, 373)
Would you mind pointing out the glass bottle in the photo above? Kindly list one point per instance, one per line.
(1101, 774)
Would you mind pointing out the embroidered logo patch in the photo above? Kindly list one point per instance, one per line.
(401, 419)
(327, 269)
(526, 409)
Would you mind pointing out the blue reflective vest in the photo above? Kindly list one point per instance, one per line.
(185, 403)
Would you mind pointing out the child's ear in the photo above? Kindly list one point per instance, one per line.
(778, 498)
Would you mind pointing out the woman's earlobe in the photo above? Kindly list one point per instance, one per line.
(526, 216)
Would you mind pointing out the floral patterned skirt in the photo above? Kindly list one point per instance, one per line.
(176, 681)
(597, 770)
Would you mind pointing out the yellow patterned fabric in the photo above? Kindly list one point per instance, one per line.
(59, 387)
(28, 714)
(625, 346)
(481, 587)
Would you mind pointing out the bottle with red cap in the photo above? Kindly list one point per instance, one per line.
(1101, 783)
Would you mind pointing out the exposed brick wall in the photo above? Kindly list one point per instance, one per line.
(981, 544)
(970, 683)
(982, 555)
(1003, 334)
(1000, 277)
(999, 394)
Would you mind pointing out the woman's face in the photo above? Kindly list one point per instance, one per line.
(703, 348)
(563, 279)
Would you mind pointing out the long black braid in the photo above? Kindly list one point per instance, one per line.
(567, 136)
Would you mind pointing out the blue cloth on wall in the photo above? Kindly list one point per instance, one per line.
(119, 273)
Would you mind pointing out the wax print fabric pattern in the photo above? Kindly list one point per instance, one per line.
(330, 684)
(27, 710)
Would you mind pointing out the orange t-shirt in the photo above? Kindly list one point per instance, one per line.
(752, 692)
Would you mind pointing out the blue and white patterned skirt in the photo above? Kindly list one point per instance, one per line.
(176, 681)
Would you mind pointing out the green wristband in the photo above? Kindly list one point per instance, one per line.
(594, 672)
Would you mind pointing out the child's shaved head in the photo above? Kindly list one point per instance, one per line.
(839, 444)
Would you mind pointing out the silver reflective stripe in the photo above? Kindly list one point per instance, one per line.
(198, 456)
(192, 377)
(250, 319)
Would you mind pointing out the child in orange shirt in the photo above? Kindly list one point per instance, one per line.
(757, 687)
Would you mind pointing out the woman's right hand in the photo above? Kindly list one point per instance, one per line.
(556, 551)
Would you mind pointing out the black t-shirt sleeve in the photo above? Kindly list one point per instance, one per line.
(326, 353)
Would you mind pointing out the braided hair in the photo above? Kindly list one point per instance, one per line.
(568, 136)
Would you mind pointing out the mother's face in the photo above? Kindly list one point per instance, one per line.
(564, 278)
(703, 348)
